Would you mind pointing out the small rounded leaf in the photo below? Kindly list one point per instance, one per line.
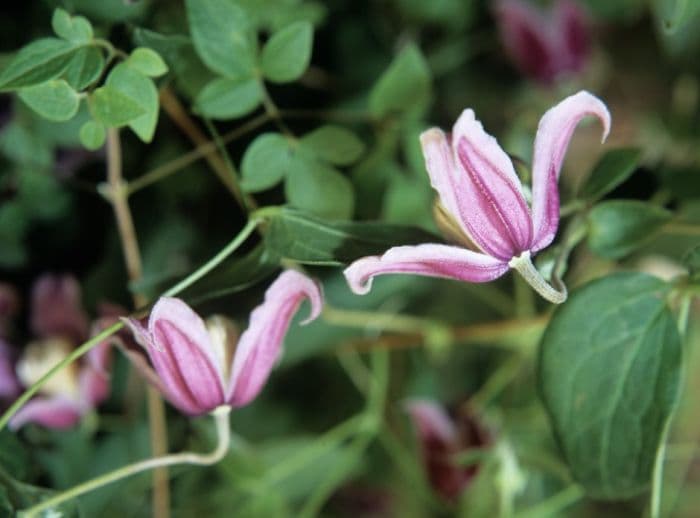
(113, 108)
(92, 135)
(265, 162)
(287, 54)
(319, 189)
(147, 61)
(72, 28)
(225, 98)
(54, 100)
(333, 144)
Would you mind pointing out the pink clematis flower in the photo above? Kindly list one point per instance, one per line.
(478, 188)
(441, 438)
(60, 323)
(544, 45)
(201, 366)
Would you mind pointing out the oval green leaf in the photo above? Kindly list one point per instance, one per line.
(72, 28)
(610, 171)
(266, 162)
(147, 61)
(303, 238)
(85, 67)
(223, 36)
(36, 63)
(142, 91)
(113, 108)
(333, 144)
(319, 189)
(225, 98)
(286, 56)
(54, 100)
(92, 135)
(619, 227)
(609, 374)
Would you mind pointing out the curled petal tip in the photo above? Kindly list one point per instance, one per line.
(358, 274)
(309, 289)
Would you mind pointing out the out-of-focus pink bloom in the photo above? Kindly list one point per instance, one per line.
(545, 45)
(193, 363)
(9, 304)
(441, 439)
(480, 191)
(57, 309)
(60, 323)
(9, 385)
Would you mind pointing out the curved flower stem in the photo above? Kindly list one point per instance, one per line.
(523, 264)
(113, 329)
(223, 430)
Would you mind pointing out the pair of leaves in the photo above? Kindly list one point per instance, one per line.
(308, 166)
(129, 97)
(225, 39)
(609, 374)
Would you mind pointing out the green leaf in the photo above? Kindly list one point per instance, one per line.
(17, 495)
(610, 171)
(142, 91)
(38, 62)
(76, 29)
(405, 85)
(85, 67)
(92, 135)
(691, 260)
(225, 98)
(609, 374)
(333, 144)
(113, 108)
(266, 162)
(617, 228)
(147, 61)
(54, 100)
(319, 189)
(286, 56)
(223, 36)
(674, 14)
(302, 237)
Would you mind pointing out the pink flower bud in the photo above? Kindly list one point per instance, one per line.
(195, 366)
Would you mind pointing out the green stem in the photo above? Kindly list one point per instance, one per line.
(84, 348)
(223, 429)
(523, 264)
(658, 475)
(376, 320)
(554, 505)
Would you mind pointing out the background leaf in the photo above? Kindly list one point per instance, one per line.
(609, 374)
(286, 55)
(54, 100)
(266, 162)
(333, 144)
(85, 67)
(225, 98)
(610, 171)
(142, 91)
(320, 189)
(113, 108)
(76, 29)
(617, 228)
(37, 63)
(147, 62)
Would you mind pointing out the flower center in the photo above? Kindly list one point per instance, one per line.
(39, 357)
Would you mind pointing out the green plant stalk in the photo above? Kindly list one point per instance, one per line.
(658, 475)
(85, 347)
(223, 428)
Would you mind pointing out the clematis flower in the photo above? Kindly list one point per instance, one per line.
(201, 366)
(480, 192)
(60, 324)
(544, 45)
(441, 438)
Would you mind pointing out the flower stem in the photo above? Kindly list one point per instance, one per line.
(523, 264)
(118, 197)
(223, 429)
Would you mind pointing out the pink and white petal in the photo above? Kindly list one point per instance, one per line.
(57, 412)
(9, 385)
(553, 135)
(183, 356)
(94, 386)
(57, 310)
(260, 345)
(528, 38)
(431, 260)
(431, 421)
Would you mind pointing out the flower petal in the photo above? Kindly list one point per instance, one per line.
(260, 345)
(431, 260)
(553, 134)
(431, 421)
(57, 310)
(55, 412)
(497, 215)
(527, 37)
(182, 355)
